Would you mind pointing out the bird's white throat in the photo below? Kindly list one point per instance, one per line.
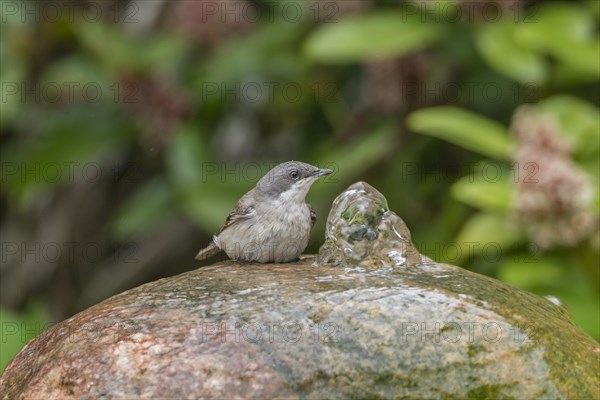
(296, 194)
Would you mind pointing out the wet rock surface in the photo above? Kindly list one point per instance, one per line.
(368, 318)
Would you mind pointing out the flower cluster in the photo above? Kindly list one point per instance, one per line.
(554, 200)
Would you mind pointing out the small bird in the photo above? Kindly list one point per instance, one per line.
(272, 222)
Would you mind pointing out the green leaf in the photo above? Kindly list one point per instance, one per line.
(378, 34)
(463, 128)
(484, 233)
(567, 31)
(556, 25)
(581, 58)
(487, 191)
(502, 51)
(145, 210)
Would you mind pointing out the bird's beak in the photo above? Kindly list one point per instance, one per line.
(321, 172)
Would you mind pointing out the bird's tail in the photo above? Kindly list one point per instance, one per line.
(211, 250)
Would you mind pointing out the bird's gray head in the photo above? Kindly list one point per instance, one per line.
(290, 181)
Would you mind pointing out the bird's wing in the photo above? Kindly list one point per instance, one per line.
(313, 215)
(241, 211)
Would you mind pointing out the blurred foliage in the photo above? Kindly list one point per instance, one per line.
(376, 34)
(137, 130)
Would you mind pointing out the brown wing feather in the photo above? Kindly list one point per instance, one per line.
(313, 215)
(239, 212)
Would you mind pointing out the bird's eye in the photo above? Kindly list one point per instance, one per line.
(294, 174)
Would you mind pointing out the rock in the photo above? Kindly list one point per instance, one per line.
(368, 318)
